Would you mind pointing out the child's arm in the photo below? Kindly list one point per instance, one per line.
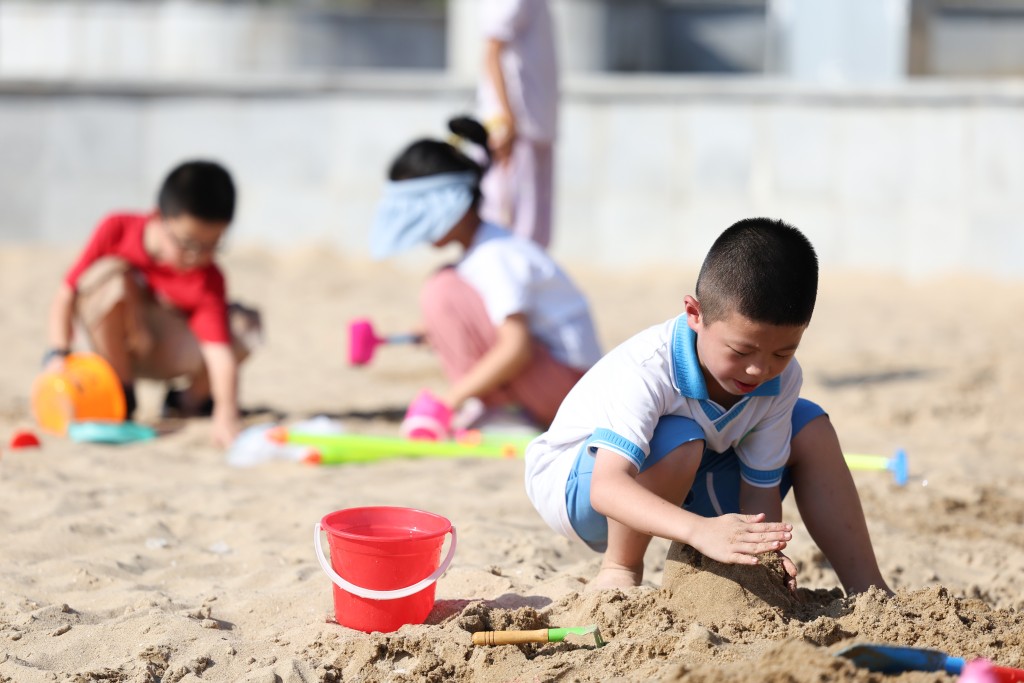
(502, 132)
(223, 371)
(60, 323)
(732, 538)
(508, 357)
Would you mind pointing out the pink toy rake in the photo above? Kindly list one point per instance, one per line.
(363, 341)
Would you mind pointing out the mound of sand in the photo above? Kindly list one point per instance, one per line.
(653, 635)
(713, 592)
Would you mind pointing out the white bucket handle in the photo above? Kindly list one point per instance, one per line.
(369, 593)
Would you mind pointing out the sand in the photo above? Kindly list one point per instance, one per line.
(159, 562)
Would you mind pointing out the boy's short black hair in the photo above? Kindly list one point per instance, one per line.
(202, 189)
(765, 270)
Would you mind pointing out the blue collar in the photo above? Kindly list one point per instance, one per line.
(686, 366)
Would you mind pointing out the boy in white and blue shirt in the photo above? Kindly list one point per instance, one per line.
(693, 430)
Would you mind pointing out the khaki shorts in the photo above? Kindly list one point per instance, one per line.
(175, 350)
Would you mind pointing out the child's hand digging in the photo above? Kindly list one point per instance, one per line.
(739, 539)
(790, 569)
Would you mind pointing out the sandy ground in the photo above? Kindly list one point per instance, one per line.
(159, 562)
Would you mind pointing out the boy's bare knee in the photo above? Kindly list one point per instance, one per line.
(672, 476)
(101, 288)
(816, 438)
(818, 425)
(102, 271)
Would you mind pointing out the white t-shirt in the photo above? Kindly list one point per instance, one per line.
(529, 65)
(618, 403)
(514, 275)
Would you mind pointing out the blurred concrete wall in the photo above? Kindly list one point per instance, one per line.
(113, 38)
(649, 170)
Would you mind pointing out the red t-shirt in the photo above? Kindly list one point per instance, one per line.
(199, 293)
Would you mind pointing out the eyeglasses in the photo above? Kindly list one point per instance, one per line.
(194, 247)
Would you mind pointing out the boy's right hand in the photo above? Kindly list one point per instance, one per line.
(54, 365)
(54, 359)
(739, 539)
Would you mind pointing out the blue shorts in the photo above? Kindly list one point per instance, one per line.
(716, 487)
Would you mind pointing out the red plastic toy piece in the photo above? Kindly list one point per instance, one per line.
(23, 438)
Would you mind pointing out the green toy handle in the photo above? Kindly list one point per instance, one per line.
(334, 449)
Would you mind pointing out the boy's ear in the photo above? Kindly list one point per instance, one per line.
(693, 314)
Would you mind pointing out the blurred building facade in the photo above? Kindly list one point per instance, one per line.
(831, 41)
(659, 150)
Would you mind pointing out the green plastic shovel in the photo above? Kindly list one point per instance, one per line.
(540, 635)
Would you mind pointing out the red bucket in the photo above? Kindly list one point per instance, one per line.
(384, 564)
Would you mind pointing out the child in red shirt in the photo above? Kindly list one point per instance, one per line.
(153, 303)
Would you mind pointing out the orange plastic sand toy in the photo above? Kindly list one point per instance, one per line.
(86, 389)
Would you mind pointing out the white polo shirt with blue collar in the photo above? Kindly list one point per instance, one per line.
(618, 403)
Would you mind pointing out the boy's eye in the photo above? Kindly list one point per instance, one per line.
(738, 352)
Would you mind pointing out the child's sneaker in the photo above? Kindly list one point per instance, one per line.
(176, 404)
(427, 418)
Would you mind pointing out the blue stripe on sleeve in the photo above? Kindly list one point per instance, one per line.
(761, 478)
(607, 438)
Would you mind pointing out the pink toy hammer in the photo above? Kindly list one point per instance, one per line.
(363, 341)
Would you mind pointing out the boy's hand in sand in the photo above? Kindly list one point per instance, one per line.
(226, 426)
(790, 568)
(739, 539)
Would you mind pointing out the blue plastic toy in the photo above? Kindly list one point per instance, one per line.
(110, 432)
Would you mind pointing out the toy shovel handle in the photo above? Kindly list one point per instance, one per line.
(1005, 674)
(409, 338)
(510, 637)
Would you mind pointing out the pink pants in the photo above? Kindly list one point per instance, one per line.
(460, 331)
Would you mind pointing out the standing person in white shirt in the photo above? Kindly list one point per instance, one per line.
(518, 100)
(508, 324)
(694, 429)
